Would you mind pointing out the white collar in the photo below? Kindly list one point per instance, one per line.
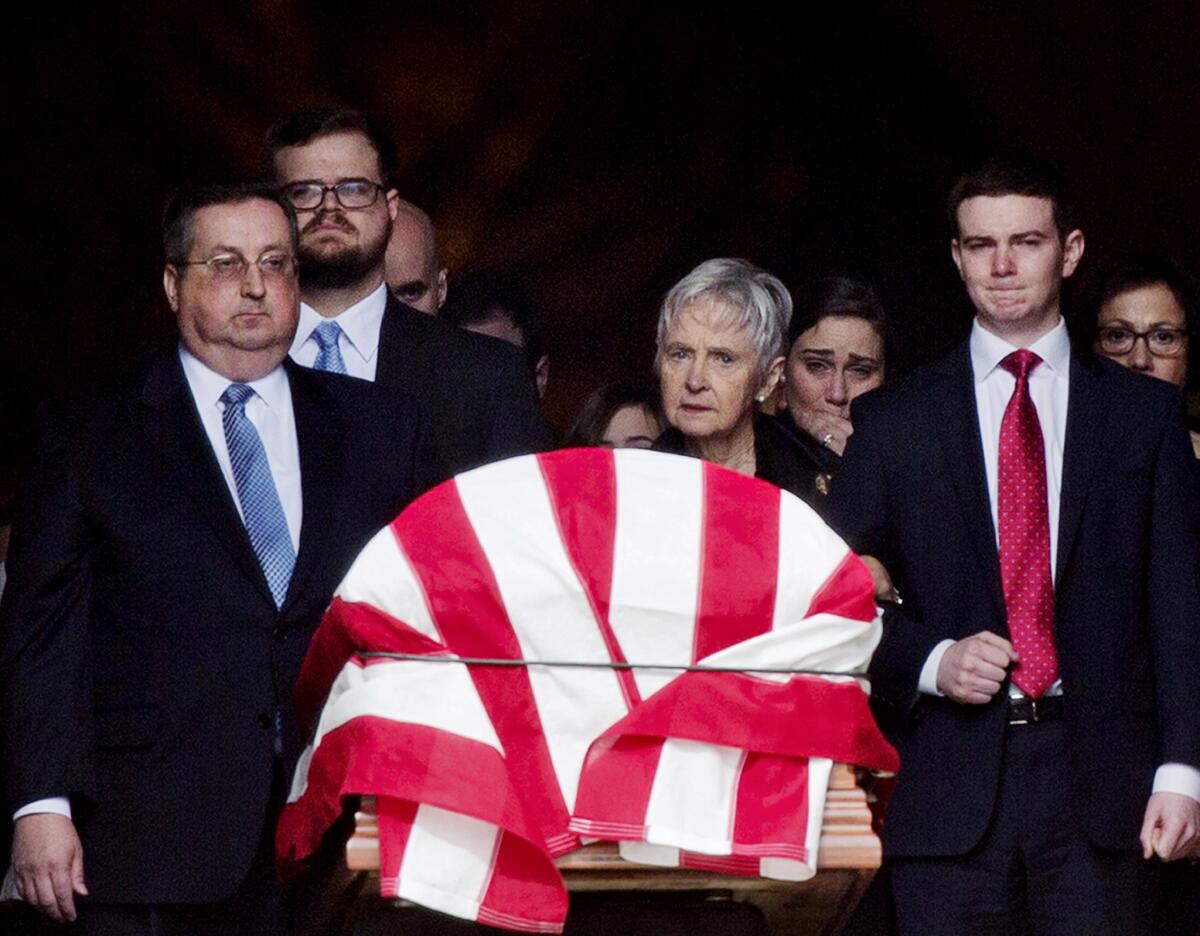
(207, 385)
(988, 350)
(360, 322)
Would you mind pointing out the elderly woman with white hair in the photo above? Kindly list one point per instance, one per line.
(722, 332)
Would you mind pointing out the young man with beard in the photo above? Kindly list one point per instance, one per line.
(334, 165)
(1035, 507)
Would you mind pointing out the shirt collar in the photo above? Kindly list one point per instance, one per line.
(988, 350)
(207, 385)
(360, 322)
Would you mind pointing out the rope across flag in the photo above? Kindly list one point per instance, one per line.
(586, 644)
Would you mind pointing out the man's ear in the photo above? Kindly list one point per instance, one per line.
(956, 255)
(441, 287)
(171, 286)
(541, 375)
(1072, 252)
(393, 203)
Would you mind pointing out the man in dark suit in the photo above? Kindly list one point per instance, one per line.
(176, 546)
(1041, 679)
(335, 167)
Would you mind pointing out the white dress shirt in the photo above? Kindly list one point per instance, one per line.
(359, 340)
(1049, 384)
(270, 410)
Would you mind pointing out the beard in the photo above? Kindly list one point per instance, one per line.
(337, 266)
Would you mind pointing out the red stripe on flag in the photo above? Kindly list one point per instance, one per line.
(346, 629)
(805, 716)
(583, 492)
(615, 783)
(739, 560)
(849, 592)
(465, 602)
(395, 817)
(518, 895)
(772, 806)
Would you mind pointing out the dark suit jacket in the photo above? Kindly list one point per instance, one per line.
(912, 492)
(476, 392)
(142, 659)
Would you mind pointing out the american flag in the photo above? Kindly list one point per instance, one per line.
(484, 774)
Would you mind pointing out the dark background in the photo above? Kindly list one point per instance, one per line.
(597, 151)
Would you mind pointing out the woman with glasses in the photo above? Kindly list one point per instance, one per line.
(1141, 311)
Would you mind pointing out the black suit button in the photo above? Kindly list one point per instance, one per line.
(264, 720)
(280, 635)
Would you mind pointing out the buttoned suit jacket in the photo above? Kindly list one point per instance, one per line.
(476, 391)
(142, 659)
(912, 491)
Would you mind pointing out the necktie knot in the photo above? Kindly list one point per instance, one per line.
(236, 395)
(329, 357)
(1021, 363)
(326, 335)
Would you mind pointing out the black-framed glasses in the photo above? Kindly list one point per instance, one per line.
(350, 193)
(232, 266)
(1164, 341)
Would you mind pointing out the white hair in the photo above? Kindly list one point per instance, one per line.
(753, 299)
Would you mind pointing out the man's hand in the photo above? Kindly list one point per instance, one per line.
(1171, 828)
(973, 669)
(820, 424)
(884, 589)
(47, 862)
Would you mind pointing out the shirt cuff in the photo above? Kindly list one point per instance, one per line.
(59, 805)
(1177, 778)
(927, 682)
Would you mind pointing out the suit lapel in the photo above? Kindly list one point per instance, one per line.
(320, 435)
(400, 334)
(956, 423)
(1086, 418)
(174, 428)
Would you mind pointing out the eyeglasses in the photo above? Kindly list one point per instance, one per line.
(229, 266)
(350, 193)
(1165, 341)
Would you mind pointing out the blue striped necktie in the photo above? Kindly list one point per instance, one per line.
(329, 358)
(261, 510)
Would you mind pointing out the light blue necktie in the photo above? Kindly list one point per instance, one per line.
(261, 511)
(329, 358)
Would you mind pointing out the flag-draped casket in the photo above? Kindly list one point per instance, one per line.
(484, 773)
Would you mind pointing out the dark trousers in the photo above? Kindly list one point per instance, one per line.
(1035, 872)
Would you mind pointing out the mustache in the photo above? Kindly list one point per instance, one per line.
(329, 217)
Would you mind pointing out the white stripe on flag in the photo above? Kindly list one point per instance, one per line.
(511, 514)
(381, 576)
(809, 552)
(656, 561)
(438, 695)
(448, 861)
(693, 796)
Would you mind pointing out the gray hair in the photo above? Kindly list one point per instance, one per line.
(753, 299)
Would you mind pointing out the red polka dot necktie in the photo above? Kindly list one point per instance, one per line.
(1025, 534)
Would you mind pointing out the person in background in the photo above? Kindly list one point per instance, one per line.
(841, 344)
(1143, 312)
(617, 416)
(412, 267)
(488, 303)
